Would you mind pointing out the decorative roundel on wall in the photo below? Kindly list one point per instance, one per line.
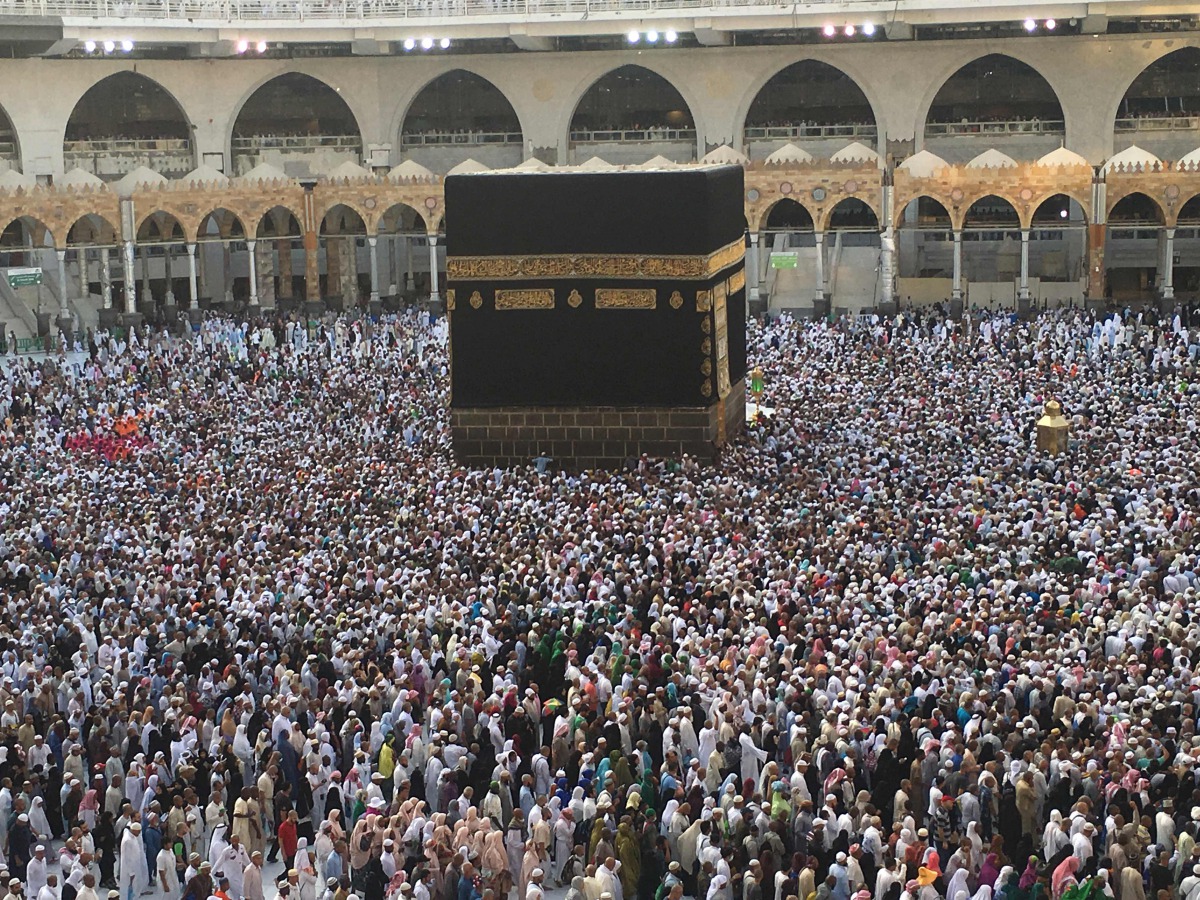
(752, 195)
(369, 203)
(1026, 194)
(785, 188)
(430, 202)
(819, 194)
(851, 187)
(956, 195)
(1172, 192)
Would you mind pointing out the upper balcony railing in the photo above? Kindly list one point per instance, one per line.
(295, 143)
(631, 136)
(291, 11)
(126, 146)
(1018, 126)
(459, 138)
(1159, 123)
(8, 149)
(792, 132)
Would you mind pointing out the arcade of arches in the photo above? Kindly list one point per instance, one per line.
(346, 242)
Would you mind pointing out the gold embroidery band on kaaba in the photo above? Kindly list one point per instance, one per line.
(737, 281)
(626, 298)
(529, 299)
(570, 265)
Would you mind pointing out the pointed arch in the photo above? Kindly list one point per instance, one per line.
(930, 214)
(10, 141)
(14, 231)
(990, 89)
(91, 230)
(455, 103)
(811, 91)
(294, 114)
(787, 214)
(220, 224)
(630, 99)
(1058, 211)
(343, 219)
(126, 120)
(1135, 208)
(992, 212)
(1167, 88)
(852, 214)
(277, 223)
(401, 218)
(160, 227)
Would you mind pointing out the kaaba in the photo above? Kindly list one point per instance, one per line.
(595, 316)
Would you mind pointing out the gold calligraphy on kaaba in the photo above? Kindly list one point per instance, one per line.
(722, 329)
(450, 300)
(676, 300)
(575, 300)
(525, 299)
(737, 281)
(492, 268)
(626, 298)
(476, 300)
(703, 301)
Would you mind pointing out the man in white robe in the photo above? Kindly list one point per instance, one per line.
(135, 875)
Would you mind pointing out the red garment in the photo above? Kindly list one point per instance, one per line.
(287, 837)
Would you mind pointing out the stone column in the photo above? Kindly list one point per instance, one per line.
(409, 281)
(333, 267)
(193, 283)
(65, 323)
(434, 295)
(147, 294)
(371, 242)
(227, 271)
(820, 292)
(253, 276)
(264, 261)
(105, 279)
(283, 250)
(348, 269)
(752, 294)
(1023, 288)
(130, 282)
(168, 271)
(956, 291)
(1168, 276)
(887, 254)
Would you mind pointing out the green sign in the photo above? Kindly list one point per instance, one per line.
(784, 260)
(24, 277)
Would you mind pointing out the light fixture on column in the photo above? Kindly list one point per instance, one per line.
(1030, 25)
(89, 46)
(1051, 24)
(670, 37)
(109, 46)
(243, 46)
(409, 44)
(1062, 213)
(651, 37)
(262, 47)
(849, 31)
(868, 28)
(444, 43)
(829, 31)
(127, 45)
(634, 37)
(426, 43)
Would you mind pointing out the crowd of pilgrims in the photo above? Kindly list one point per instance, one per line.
(879, 648)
